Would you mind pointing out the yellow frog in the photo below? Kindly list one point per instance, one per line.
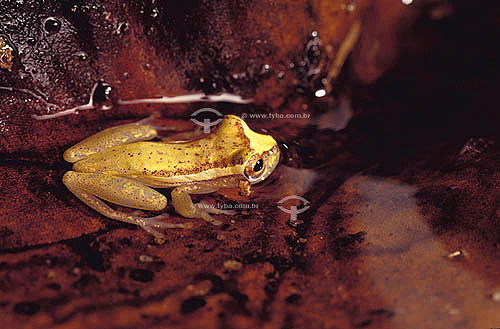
(121, 166)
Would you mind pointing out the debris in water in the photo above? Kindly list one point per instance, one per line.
(5, 55)
(74, 110)
(192, 98)
(101, 93)
(233, 265)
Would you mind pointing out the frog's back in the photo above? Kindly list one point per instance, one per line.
(155, 160)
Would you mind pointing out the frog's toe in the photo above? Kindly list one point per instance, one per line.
(227, 212)
(188, 225)
(154, 224)
(157, 222)
(221, 211)
(210, 219)
(215, 222)
(159, 237)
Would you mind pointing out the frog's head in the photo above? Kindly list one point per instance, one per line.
(261, 153)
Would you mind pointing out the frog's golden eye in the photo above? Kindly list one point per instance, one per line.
(254, 168)
(258, 165)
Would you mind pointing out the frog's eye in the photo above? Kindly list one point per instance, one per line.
(258, 165)
(254, 168)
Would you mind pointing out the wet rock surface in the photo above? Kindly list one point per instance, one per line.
(400, 225)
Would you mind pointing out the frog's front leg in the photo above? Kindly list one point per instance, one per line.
(184, 205)
(92, 187)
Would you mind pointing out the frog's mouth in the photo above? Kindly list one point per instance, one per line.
(259, 167)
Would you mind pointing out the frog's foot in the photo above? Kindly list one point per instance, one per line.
(206, 217)
(184, 205)
(194, 211)
(212, 209)
(153, 224)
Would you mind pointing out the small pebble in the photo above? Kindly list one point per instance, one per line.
(233, 265)
(457, 255)
(145, 258)
(496, 296)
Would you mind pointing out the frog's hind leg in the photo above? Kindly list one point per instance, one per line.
(92, 187)
(184, 205)
(108, 138)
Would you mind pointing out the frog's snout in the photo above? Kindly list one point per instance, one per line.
(272, 158)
